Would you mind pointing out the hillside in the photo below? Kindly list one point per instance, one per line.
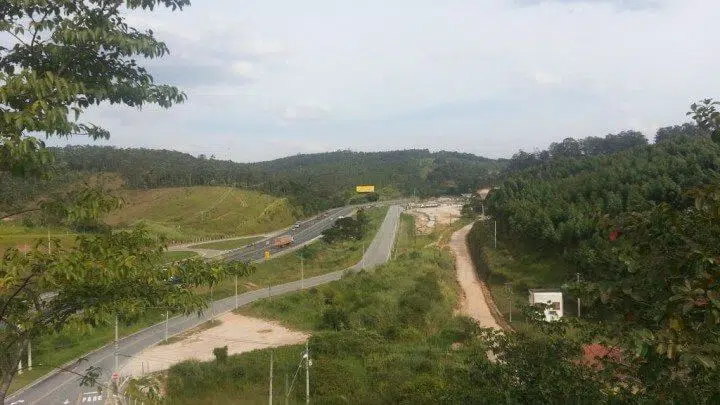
(184, 213)
(314, 181)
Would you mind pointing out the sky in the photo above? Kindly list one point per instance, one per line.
(273, 78)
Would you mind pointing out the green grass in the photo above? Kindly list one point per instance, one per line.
(319, 258)
(52, 351)
(393, 345)
(186, 214)
(15, 235)
(228, 244)
(173, 256)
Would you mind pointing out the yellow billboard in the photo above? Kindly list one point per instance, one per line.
(365, 189)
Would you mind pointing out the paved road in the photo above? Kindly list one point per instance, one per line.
(62, 387)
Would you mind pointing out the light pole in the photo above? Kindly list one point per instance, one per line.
(117, 346)
(495, 234)
(510, 299)
(302, 273)
(578, 300)
(307, 373)
(270, 394)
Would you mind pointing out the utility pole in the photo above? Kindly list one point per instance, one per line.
(578, 300)
(167, 318)
(495, 234)
(117, 345)
(236, 294)
(49, 250)
(270, 395)
(302, 273)
(212, 306)
(287, 393)
(307, 373)
(510, 299)
(362, 259)
(29, 363)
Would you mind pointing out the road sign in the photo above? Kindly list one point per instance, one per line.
(365, 189)
(267, 254)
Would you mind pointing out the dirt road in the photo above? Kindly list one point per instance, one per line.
(473, 302)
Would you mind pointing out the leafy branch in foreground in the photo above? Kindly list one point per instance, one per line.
(63, 58)
(104, 275)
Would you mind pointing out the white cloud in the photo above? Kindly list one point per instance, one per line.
(544, 78)
(487, 77)
(306, 111)
(242, 68)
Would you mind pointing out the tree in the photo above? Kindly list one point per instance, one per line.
(707, 117)
(675, 131)
(569, 147)
(66, 56)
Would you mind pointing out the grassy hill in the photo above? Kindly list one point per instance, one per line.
(181, 214)
(192, 212)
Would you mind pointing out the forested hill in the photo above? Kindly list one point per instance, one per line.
(559, 204)
(314, 181)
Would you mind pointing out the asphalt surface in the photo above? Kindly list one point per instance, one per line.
(63, 387)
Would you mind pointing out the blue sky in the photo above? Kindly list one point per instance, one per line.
(273, 78)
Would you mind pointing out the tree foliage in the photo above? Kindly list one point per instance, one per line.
(63, 57)
(347, 228)
(643, 228)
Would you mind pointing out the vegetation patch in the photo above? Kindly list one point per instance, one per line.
(176, 255)
(378, 337)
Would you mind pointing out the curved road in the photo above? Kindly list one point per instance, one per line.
(63, 388)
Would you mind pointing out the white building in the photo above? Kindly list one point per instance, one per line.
(553, 298)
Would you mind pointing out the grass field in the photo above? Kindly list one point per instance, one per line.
(15, 235)
(318, 258)
(228, 244)
(185, 214)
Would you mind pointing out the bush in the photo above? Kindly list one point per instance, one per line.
(221, 354)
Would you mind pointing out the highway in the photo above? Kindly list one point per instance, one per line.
(63, 387)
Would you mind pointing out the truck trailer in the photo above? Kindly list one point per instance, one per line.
(284, 240)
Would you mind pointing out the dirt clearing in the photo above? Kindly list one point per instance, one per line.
(430, 214)
(240, 334)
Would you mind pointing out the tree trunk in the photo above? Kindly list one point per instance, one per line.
(8, 371)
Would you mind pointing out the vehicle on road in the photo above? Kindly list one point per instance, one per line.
(284, 240)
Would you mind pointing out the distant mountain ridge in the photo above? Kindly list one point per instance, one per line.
(313, 181)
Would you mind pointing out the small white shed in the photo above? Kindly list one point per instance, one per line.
(553, 298)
